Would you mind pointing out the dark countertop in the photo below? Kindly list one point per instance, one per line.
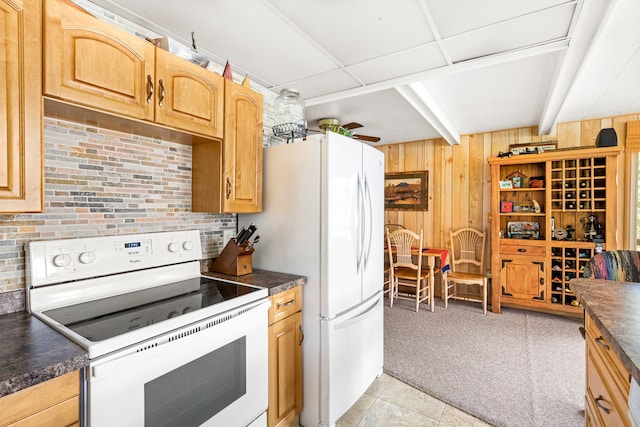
(615, 307)
(31, 352)
(273, 281)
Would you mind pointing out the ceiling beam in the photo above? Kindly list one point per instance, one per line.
(419, 97)
(593, 14)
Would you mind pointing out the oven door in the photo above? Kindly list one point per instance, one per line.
(213, 373)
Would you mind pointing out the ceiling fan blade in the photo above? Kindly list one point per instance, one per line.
(352, 125)
(366, 138)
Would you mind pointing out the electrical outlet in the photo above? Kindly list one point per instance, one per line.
(227, 235)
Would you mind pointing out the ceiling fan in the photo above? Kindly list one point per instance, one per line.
(346, 129)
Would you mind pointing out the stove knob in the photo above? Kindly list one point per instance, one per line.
(173, 247)
(61, 260)
(87, 257)
(188, 245)
(172, 314)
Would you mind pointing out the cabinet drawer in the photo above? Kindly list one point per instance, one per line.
(66, 413)
(605, 398)
(285, 304)
(537, 251)
(617, 369)
(44, 396)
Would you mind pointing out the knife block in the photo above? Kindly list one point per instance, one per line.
(234, 259)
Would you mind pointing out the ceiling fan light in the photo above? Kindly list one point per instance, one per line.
(329, 124)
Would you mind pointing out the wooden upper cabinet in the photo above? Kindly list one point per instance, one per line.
(21, 174)
(91, 63)
(227, 175)
(242, 150)
(188, 96)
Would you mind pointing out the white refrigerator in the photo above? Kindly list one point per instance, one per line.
(322, 217)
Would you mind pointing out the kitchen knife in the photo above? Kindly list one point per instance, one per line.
(242, 230)
(252, 229)
(246, 234)
(255, 240)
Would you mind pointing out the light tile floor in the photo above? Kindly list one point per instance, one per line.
(390, 402)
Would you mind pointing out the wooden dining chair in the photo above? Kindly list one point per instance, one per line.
(467, 264)
(409, 281)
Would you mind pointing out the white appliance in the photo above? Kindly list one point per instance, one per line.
(323, 218)
(167, 346)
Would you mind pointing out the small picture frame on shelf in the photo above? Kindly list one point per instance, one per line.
(517, 182)
(506, 207)
(506, 184)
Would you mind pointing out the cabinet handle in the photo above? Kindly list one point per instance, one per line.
(161, 84)
(286, 304)
(149, 88)
(301, 335)
(228, 188)
(601, 406)
(542, 281)
(602, 344)
(522, 250)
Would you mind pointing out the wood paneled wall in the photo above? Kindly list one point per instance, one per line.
(460, 179)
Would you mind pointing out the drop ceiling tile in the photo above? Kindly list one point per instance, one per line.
(358, 30)
(324, 84)
(385, 114)
(404, 63)
(526, 31)
(249, 34)
(449, 21)
(502, 96)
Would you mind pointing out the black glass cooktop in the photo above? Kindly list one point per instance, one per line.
(109, 317)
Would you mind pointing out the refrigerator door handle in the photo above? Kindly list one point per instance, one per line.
(368, 223)
(359, 242)
(363, 221)
(360, 316)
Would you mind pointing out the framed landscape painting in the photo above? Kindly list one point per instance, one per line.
(406, 190)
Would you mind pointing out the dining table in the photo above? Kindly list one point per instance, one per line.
(431, 254)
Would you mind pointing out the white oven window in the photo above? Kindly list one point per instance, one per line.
(196, 392)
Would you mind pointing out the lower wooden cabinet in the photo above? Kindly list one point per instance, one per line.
(608, 382)
(522, 274)
(285, 357)
(52, 403)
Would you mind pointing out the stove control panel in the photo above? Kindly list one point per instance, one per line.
(57, 261)
(133, 248)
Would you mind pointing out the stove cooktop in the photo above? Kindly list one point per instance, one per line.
(113, 316)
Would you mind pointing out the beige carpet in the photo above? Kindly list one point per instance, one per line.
(517, 368)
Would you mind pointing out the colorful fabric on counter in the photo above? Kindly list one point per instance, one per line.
(621, 266)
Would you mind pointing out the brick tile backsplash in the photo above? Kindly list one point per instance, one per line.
(101, 182)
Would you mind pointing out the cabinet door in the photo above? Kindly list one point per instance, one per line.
(90, 62)
(188, 96)
(242, 150)
(285, 370)
(20, 107)
(522, 278)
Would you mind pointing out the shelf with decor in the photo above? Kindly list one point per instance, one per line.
(551, 212)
